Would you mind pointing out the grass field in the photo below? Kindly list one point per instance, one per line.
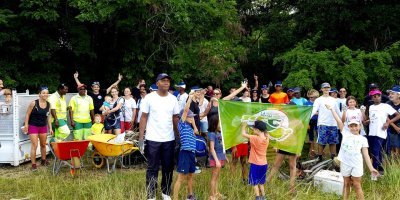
(90, 183)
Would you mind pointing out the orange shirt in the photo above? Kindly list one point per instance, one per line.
(278, 98)
(258, 150)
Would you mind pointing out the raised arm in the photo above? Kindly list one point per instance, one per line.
(336, 116)
(255, 82)
(187, 105)
(76, 75)
(244, 132)
(234, 93)
(114, 84)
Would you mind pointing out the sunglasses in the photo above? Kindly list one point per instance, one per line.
(342, 90)
(217, 93)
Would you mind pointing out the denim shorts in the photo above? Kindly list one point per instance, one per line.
(203, 127)
(327, 135)
(112, 124)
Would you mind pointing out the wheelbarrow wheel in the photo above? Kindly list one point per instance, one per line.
(97, 160)
(72, 171)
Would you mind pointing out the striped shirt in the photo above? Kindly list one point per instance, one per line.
(186, 133)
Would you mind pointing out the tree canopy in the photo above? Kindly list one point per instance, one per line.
(347, 43)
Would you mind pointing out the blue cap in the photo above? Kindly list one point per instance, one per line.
(278, 83)
(333, 90)
(264, 87)
(153, 87)
(395, 89)
(195, 88)
(162, 76)
(296, 90)
(181, 85)
(325, 85)
(290, 89)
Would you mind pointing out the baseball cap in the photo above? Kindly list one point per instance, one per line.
(96, 83)
(395, 89)
(153, 87)
(264, 87)
(195, 88)
(278, 83)
(373, 86)
(181, 85)
(354, 121)
(260, 125)
(190, 114)
(333, 90)
(290, 90)
(374, 92)
(296, 90)
(325, 85)
(162, 76)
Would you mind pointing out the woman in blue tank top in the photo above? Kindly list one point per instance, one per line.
(37, 125)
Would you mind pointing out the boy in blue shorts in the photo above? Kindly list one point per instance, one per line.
(187, 154)
(327, 126)
(258, 157)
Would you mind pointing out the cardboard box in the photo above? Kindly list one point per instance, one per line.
(329, 181)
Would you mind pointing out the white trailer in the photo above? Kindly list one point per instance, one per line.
(15, 146)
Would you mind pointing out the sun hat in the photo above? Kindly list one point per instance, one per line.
(374, 92)
(354, 121)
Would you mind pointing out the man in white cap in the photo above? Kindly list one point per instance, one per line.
(159, 118)
(182, 96)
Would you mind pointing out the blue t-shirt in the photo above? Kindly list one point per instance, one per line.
(188, 139)
(300, 101)
(216, 137)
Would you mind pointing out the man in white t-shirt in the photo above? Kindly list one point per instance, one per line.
(378, 125)
(327, 126)
(182, 96)
(159, 118)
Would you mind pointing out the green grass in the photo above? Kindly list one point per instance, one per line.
(21, 183)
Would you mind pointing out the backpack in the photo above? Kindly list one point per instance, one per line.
(201, 146)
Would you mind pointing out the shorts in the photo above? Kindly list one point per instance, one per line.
(125, 126)
(203, 127)
(111, 124)
(257, 174)
(212, 162)
(33, 130)
(311, 130)
(394, 139)
(186, 162)
(327, 135)
(242, 150)
(286, 153)
(347, 170)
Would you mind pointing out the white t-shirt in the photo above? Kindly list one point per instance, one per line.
(377, 117)
(139, 105)
(202, 108)
(182, 98)
(325, 116)
(129, 105)
(350, 149)
(354, 114)
(160, 111)
(247, 99)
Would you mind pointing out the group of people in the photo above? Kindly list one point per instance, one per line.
(168, 118)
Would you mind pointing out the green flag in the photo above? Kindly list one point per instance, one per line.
(286, 124)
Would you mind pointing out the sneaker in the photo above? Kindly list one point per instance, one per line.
(34, 167)
(198, 170)
(191, 197)
(44, 162)
(165, 197)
